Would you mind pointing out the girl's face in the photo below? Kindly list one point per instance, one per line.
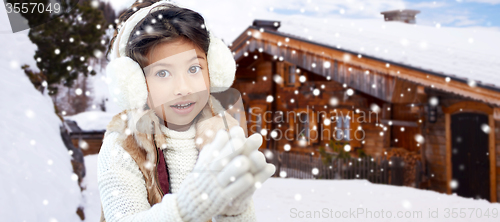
(178, 81)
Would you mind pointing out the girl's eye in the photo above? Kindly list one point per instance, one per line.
(163, 73)
(194, 69)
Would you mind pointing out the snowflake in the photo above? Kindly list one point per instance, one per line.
(406, 204)
(454, 184)
(95, 3)
(315, 171)
(375, 108)
(29, 113)
(270, 98)
(287, 147)
(347, 147)
(98, 54)
(433, 101)
(350, 92)
(419, 138)
(283, 174)
(334, 101)
(269, 154)
(277, 78)
(263, 132)
(486, 128)
(316, 92)
(83, 144)
(302, 78)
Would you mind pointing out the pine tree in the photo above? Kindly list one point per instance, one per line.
(68, 43)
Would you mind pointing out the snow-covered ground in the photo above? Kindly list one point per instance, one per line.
(91, 201)
(288, 199)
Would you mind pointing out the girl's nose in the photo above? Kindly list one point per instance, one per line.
(182, 86)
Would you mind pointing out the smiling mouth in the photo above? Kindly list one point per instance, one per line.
(182, 106)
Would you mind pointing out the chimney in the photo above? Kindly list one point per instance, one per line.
(406, 16)
(267, 24)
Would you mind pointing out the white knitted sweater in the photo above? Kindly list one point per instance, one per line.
(122, 187)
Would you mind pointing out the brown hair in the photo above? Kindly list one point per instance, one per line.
(164, 25)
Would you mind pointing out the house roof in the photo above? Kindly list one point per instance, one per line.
(466, 55)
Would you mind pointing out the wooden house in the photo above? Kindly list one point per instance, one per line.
(89, 141)
(301, 94)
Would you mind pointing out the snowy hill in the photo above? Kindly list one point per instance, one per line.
(38, 183)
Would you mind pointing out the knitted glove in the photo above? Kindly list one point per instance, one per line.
(215, 179)
(259, 168)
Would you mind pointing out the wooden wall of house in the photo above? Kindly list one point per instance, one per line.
(497, 148)
(255, 83)
(375, 143)
(435, 152)
(404, 136)
(435, 141)
(94, 143)
(254, 92)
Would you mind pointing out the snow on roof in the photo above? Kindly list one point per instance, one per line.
(464, 53)
(92, 120)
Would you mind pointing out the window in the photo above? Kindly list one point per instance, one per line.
(303, 126)
(343, 128)
(291, 75)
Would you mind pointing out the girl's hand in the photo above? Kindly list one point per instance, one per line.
(220, 174)
(259, 168)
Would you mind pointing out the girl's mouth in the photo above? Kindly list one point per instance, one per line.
(183, 107)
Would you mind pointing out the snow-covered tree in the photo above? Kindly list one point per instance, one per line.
(68, 43)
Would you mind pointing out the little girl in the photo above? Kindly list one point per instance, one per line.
(166, 157)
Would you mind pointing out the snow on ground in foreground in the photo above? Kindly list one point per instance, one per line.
(91, 201)
(277, 196)
(92, 120)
